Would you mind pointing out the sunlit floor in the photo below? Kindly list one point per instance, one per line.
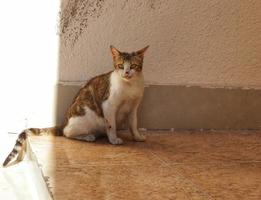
(179, 165)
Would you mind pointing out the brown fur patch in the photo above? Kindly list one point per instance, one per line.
(133, 58)
(56, 131)
(19, 143)
(92, 95)
(22, 135)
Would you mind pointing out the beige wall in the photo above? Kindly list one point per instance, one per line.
(212, 44)
(193, 42)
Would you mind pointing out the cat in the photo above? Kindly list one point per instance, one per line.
(100, 106)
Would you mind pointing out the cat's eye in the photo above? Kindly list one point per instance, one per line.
(120, 66)
(133, 66)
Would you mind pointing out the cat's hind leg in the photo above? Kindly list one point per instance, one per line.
(84, 127)
(87, 138)
(90, 137)
(78, 134)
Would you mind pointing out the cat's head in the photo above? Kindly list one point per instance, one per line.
(128, 65)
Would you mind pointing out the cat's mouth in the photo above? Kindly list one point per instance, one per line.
(127, 77)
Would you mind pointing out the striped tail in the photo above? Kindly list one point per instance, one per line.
(19, 150)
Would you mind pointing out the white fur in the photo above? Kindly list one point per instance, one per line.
(84, 125)
(125, 95)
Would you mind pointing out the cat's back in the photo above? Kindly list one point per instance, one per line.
(99, 81)
(98, 87)
(92, 94)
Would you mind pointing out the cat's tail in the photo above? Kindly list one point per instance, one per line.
(19, 150)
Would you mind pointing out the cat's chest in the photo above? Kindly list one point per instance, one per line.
(121, 91)
(126, 93)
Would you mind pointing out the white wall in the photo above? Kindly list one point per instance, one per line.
(193, 42)
(28, 62)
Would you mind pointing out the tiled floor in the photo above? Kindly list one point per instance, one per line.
(180, 165)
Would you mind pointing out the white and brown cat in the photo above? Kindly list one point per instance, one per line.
(100, 106)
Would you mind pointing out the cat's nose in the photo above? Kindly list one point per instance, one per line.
(127, 72)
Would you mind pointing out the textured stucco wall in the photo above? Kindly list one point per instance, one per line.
(213, 43)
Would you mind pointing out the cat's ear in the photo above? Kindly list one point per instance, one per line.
(142, 51)
(115, 52)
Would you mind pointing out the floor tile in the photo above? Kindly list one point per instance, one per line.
(198, 147)
(73, 152)
(118, 182)
(225, 181)
(173, 165)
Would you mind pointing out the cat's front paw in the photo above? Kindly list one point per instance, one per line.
(116, 141)
(140, 138)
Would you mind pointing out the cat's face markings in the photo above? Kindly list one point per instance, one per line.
(128, 65)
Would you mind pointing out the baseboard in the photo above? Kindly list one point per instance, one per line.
(181, 107)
